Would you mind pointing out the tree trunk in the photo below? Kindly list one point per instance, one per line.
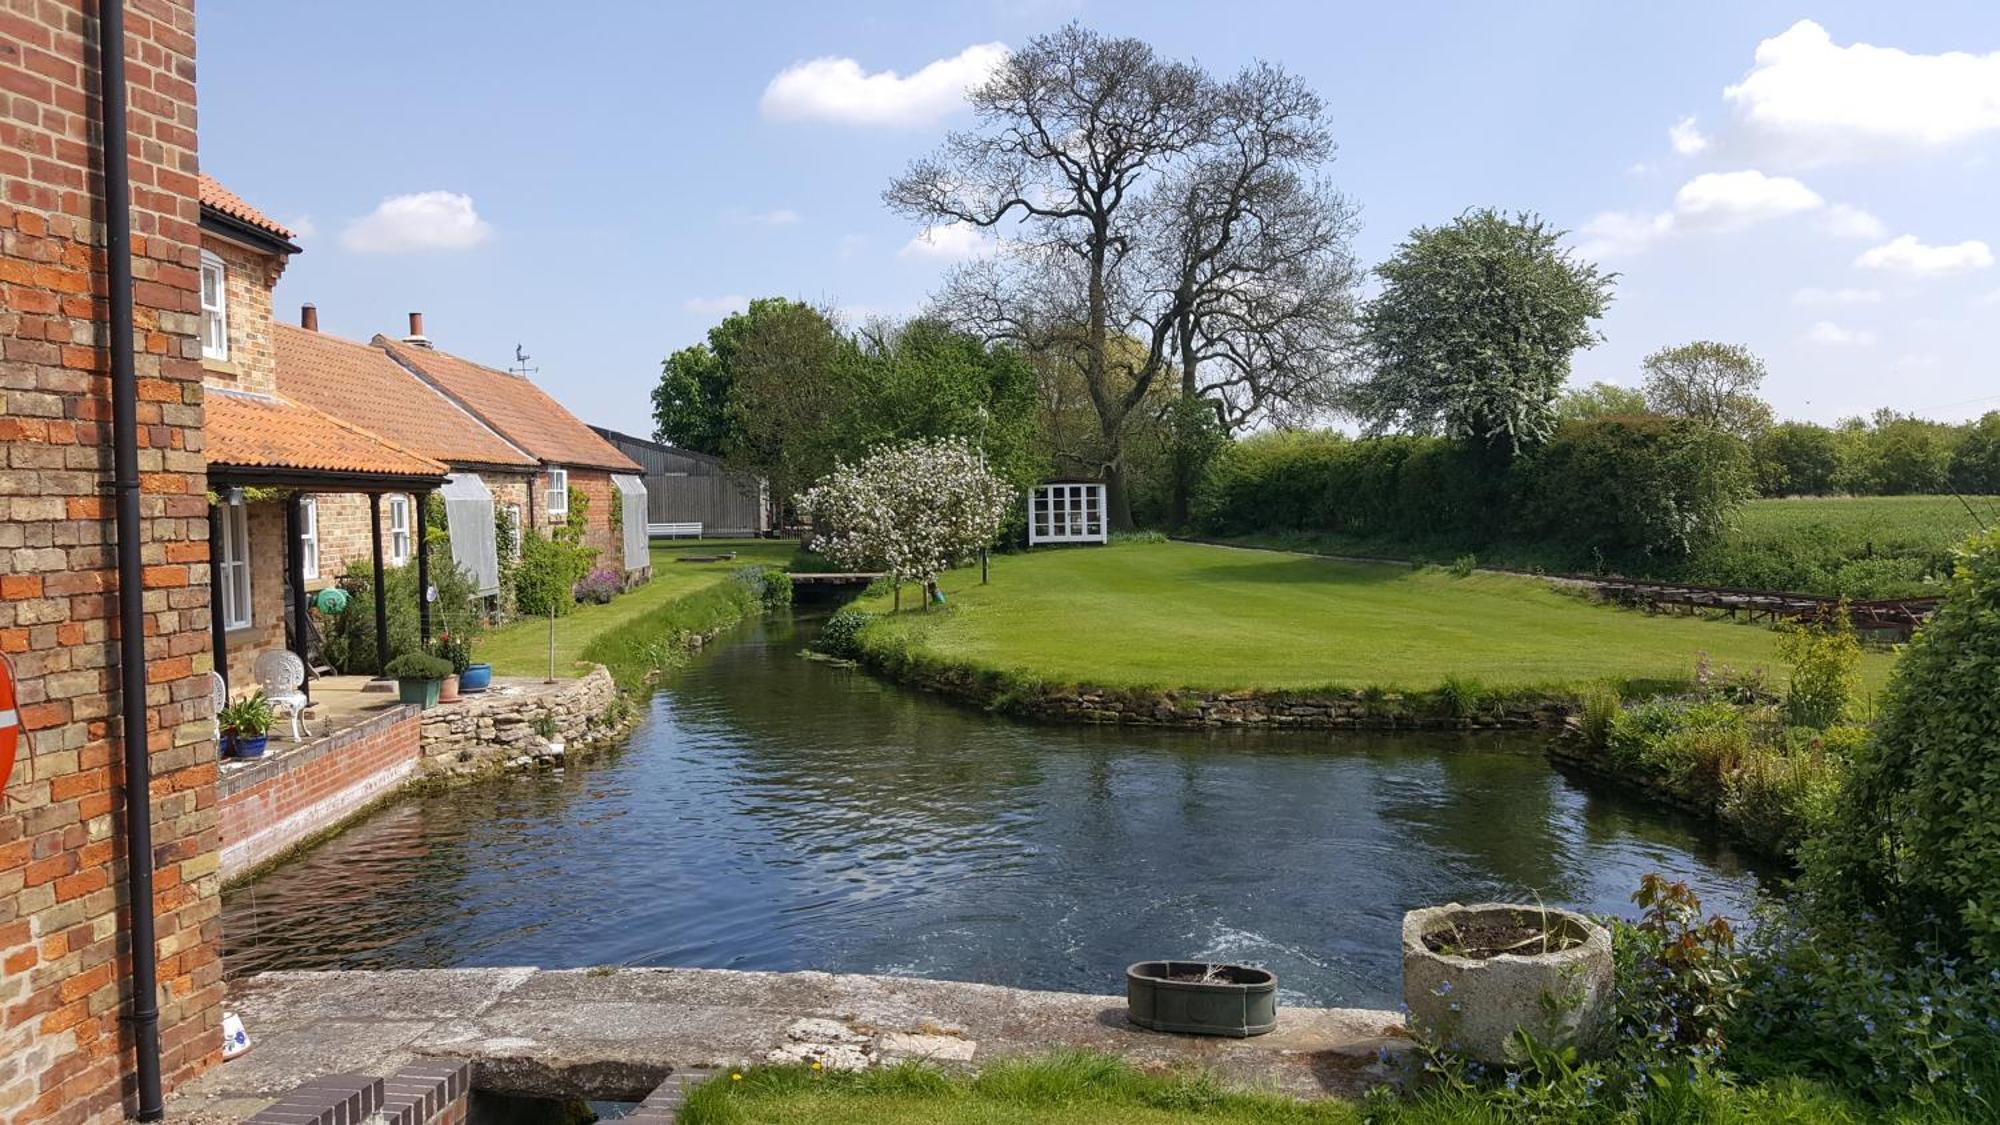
(1181, 511)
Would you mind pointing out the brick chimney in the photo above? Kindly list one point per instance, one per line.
(309, 317)
(416, 335)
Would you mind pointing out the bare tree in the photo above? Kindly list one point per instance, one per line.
(1157, 225)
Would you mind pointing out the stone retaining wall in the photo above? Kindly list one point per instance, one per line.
(1190, 708)
(497, 728)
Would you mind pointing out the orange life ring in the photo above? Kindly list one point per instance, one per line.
(10, 722)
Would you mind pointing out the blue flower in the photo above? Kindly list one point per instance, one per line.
(1443, 988)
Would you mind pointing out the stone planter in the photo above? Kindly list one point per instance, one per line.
(1238, 1001)
(1476, 1004)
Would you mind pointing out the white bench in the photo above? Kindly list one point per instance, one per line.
(673, 531)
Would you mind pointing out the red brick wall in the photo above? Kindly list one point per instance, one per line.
(63, 1049)
(267, 806)
(596, 485)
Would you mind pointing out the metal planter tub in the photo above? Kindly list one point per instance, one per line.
(1200, 998)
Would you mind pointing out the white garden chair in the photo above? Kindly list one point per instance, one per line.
(280, 673)
(218, 698)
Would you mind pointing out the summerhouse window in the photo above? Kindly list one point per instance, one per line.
(235, 527)
(1066, 512)
(214, 308)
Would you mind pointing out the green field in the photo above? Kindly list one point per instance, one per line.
(1857, 546)
(522, 647)
(1167, 615)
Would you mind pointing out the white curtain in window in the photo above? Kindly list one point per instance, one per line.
(468, 516)
(235, 566)
(632, 507)
(309, 534)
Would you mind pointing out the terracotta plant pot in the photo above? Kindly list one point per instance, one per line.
(1558, 990)
(448, 690)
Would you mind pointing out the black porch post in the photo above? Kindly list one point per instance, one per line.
(218, 633)
(295, 577)
(381, 585)
(423, 569)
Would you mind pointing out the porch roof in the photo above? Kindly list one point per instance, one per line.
(258, 439)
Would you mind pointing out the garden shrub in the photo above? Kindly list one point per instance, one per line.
(1917, 836)
(600, 585)
(771, 586)
(1825, 657)
(550, 567)
(1641, 485)
(350, 637)
(418, 666)
(841, 635)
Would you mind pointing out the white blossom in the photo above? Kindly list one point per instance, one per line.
(909, 510)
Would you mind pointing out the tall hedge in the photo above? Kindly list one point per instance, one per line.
(1917, 837)
(1391, 487)
(1631, 486)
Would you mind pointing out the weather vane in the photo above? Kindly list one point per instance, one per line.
(521, 360)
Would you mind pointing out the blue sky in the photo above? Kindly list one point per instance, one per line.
(600, 187)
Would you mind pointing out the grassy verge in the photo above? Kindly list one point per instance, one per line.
(1150, 616)
(1853, 546)
(1076, 1088)
(521, 648)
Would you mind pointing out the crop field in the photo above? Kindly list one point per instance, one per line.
(1857, 546)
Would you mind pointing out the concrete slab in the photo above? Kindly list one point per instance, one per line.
(616, 1034)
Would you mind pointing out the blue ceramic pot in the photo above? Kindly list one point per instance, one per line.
(248, 745)
(476, 677)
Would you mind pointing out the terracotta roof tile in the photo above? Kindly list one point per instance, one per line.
(522, 412)
(214, 195)
(362, 385)
(263, 432)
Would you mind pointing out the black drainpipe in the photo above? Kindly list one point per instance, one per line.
(145, 1014)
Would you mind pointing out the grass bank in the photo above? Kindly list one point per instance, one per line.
(1076, 1088)
(1853, 546)
(1157, 616)
(682, 597)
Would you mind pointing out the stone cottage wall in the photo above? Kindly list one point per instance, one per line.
(64, 981)
(497, 728)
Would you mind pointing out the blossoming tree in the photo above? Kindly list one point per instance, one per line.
(910, 510)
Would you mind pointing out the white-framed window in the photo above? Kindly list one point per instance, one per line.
(309, 534)
(214, 307)
(514, 517)
(235, 563)
(1066, 512)
(558, 493)
(399, 530)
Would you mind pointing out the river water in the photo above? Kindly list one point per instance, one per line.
(775, 812)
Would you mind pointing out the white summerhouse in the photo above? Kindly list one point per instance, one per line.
(1067, 511)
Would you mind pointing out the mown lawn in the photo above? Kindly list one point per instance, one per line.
(521, 648)
(1165, 615)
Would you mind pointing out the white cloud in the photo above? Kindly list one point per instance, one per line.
(1815, 296)
(852, 244)
(1611, 234)
(954, 242)
(425, 220)
(1905, 254)
(1815, 101)
(1988, 300)
(1844, 221)
(1734, 200)
(837, 90)
(302, 227)
(1687, 138)
(717, 306)
(1833, 335)
(1919, 361)
(782, 217)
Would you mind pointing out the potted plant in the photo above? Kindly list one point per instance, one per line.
(246, 726)
(418, 677)
(1477, 976)
(458, 653)
(473, 676)
(1199, 998)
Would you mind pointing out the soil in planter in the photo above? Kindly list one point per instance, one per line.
(1217, 974)
(1485, 939)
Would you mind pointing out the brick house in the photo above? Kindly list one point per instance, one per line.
(73, 1033)
(356, 381)
(271, 457)
(570, 454)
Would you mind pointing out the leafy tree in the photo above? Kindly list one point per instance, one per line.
(1714, 384)
(1918, 836)
(1146, 201)
(692, 401)
(1600, 400)
(1975, 464)
(926, 379)
(1474, 329)
(911, 510)
(796, 382)
(1796, 459)
(1636, 485)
